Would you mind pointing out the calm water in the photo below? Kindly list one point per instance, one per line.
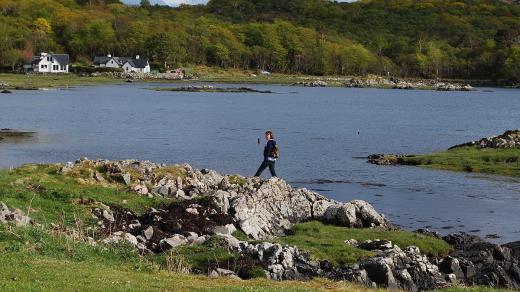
(317, 129)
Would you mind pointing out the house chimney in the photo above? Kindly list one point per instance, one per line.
(137, 57)
(43, 54)
(109, 55)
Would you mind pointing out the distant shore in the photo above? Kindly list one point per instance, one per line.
(11, 81)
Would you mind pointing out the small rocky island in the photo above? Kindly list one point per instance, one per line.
(7, 133)
(494, 155)
(254, 219)
(373, 81)
(211, 88)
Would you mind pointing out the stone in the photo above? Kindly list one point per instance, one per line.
(148, 233)
(99, 177)
(141, 189)
(450, 265)
(192, 211)
(192, 236)
(181, 194)
(108, 215)
(15, 216)
(119, 236)
(174, 241)
(224, 229)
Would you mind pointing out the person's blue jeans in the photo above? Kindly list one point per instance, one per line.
(264, 165)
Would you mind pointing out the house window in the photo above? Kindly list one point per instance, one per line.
(55, 67)
(62, 68)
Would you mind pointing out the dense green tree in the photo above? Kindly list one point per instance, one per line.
(429, 38)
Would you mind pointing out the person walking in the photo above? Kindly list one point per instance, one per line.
(270, 155)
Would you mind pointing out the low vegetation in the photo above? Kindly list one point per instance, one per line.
(470, 159)
(50, 197)
(33, 82)
(327, 242)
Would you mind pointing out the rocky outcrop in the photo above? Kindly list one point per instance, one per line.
(315, 83)
(355, 214)
(380, 82)
(15, 216)
(473, 262)
(509, 139)
(177, 74)
(395, 268)
(261, 208)
(478, 262)
(215, 205)
(211, 88)
(387, 159)
(157, 230)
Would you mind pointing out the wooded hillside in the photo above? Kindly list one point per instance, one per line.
(469, 39)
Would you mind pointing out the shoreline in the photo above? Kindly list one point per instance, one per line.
(14, 81)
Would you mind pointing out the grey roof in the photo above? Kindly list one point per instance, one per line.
(63, 59)
(101, 60)
(98, 60)
(137, 63)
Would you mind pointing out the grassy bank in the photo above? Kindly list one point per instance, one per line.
(32, 82)
(469, 159)
(327, 242)
(35, 260)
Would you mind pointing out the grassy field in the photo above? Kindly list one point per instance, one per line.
(35, 260)
(22, 81)
(327, 242)
(470, 159)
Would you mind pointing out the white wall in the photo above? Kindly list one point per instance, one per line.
(110, 64)
(128, 68)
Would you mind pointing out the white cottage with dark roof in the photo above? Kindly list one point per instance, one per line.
(51, 63)
(128, 64)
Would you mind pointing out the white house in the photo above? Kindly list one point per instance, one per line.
(128, 64)
(51, 63)
(137, 65)
(108, 61)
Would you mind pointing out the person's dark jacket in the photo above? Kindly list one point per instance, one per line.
(268, 149)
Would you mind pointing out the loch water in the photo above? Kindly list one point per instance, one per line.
(324, 133)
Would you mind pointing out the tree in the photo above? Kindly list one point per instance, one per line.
(13, 57)
(512, 63)
(146, 3)
(41, 25)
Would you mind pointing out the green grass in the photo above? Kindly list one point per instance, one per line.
(327, 242)
(237, 180)
(33, 81)
(470, 159)
(171, 171)
(50, 197)
(35, 260)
